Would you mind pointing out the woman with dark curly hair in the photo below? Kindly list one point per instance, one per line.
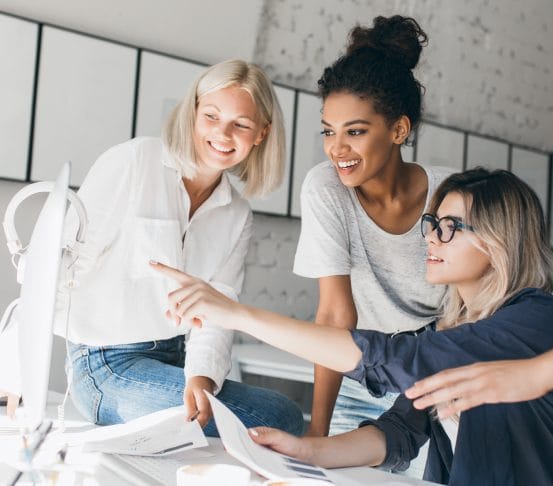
(361, 208)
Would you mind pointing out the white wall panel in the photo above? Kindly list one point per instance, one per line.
(483, 152)
(407, 153)
(84, 102)
(309, 144)
(18, 40)
(551, 206)
(277, 202)
(439, 146)
(163, 83)
(533, 168)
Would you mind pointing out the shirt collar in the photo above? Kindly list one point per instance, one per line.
(221, 195)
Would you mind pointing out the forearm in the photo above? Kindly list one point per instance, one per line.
(337, 309)
(365, 446)
(542, 372)
(304, 339)
(325, 390)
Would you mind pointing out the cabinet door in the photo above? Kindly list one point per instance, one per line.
(483, 152)
(532, 168)
(308, 150)
(440, 146)
(408, 153)
(18, 41)
(84, 103)
(163, 83)
(277, 202)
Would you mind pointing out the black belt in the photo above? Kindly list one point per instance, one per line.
(416, 332)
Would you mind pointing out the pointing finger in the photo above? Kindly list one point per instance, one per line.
(171, 272)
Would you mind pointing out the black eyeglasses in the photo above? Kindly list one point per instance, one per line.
(445, 227)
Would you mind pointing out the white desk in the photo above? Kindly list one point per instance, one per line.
(265, 360)
(91, 469)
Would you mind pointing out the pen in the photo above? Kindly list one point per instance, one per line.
(29, 449)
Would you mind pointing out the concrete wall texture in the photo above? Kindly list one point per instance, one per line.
(487, 67)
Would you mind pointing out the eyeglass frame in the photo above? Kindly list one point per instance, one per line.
(436, 226)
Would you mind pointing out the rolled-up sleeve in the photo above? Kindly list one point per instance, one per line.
(406, 430)
(395, 363)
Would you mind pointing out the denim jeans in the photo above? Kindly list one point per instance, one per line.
(115, 384)
(355, 404)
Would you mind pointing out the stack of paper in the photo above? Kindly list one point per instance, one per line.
(157, 434)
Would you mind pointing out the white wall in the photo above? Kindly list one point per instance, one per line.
(206, 31)
(487, 68)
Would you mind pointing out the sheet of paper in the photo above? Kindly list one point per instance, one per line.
(7, 425)
(157, 434)
(265, 462)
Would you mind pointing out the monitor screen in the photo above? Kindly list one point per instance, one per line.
(35, 312)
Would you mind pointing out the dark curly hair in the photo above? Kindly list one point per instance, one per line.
(378, 66)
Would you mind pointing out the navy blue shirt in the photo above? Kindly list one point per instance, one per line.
(505, 444)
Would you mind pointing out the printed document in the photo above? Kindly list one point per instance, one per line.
(265, 462)
(156, 434)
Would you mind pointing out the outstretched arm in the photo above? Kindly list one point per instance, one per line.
(196, 301)
(459, 389)
(365, 446)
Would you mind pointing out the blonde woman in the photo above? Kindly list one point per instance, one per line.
(485, 234)
(171, 199)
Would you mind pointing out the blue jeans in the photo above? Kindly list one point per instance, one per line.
(355, 404)
(115, 384)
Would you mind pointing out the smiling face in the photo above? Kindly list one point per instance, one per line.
(358, 141)
(461, 262)
(226, 129)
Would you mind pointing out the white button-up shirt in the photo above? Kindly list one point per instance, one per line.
(138, 210)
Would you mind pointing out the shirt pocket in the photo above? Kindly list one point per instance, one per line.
(153, 239)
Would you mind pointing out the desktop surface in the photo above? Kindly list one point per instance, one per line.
(96, 469)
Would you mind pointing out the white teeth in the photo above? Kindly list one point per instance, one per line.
(432, 257)
(221, 148)
(348, 163)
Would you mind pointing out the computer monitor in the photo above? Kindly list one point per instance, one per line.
(35, 312)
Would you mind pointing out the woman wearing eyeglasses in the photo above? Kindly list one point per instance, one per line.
(485, 236)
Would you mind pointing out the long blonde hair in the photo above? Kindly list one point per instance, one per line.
(263, 168)
(507, 217)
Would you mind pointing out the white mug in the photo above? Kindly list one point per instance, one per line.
(212, 475)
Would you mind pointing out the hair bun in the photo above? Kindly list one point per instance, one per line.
(398, 38)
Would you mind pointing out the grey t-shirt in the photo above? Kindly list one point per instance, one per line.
(387, 271)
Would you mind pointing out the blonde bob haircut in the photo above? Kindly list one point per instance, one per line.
(262, 169)
(509, 224)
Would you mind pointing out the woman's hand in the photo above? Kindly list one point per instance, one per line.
(196, 401)
(13, 403)
(196, 301)
(282, 442)
(459, 389)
